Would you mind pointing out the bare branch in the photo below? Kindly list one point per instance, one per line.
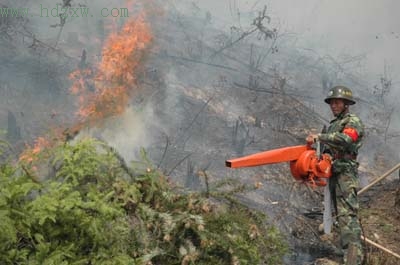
(258, 26)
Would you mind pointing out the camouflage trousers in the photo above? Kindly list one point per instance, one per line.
(343, 186)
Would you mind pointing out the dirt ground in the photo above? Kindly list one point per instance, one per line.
(380, 219)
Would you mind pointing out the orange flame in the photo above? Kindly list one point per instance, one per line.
(105, 91)
(112, 85)
(31, 154)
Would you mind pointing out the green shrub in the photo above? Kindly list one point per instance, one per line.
(97, 210)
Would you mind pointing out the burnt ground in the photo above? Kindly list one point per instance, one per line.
(380, 218)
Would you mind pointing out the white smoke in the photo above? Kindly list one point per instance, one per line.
(331, 27)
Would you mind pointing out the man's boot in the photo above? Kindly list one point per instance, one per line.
(352, 256)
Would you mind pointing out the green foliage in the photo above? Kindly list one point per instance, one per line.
(96, 210)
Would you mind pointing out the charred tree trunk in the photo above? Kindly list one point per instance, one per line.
(13, 130)
(397, 197)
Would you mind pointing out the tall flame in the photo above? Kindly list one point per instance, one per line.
(104, 90)
(114, 82)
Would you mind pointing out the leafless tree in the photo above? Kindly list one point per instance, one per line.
(258, 27)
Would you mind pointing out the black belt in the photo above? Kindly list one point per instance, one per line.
(345, 156)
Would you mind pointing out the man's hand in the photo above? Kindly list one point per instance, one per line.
(312, 138)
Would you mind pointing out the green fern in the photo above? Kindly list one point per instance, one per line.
(96, 210)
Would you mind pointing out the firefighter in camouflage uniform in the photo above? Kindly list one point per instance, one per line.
(342, 141)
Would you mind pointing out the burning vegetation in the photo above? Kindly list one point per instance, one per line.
(118, 213)
(103, 90)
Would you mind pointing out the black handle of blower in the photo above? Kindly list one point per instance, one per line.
(322, 146)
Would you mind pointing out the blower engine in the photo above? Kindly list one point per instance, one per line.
(307, 164)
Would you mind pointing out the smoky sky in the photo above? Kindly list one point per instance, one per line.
(367, 28)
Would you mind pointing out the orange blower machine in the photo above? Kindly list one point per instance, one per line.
(307, 164)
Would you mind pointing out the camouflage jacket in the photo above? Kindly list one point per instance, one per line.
(344, 136)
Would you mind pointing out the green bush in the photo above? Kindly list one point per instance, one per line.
(97, 210)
